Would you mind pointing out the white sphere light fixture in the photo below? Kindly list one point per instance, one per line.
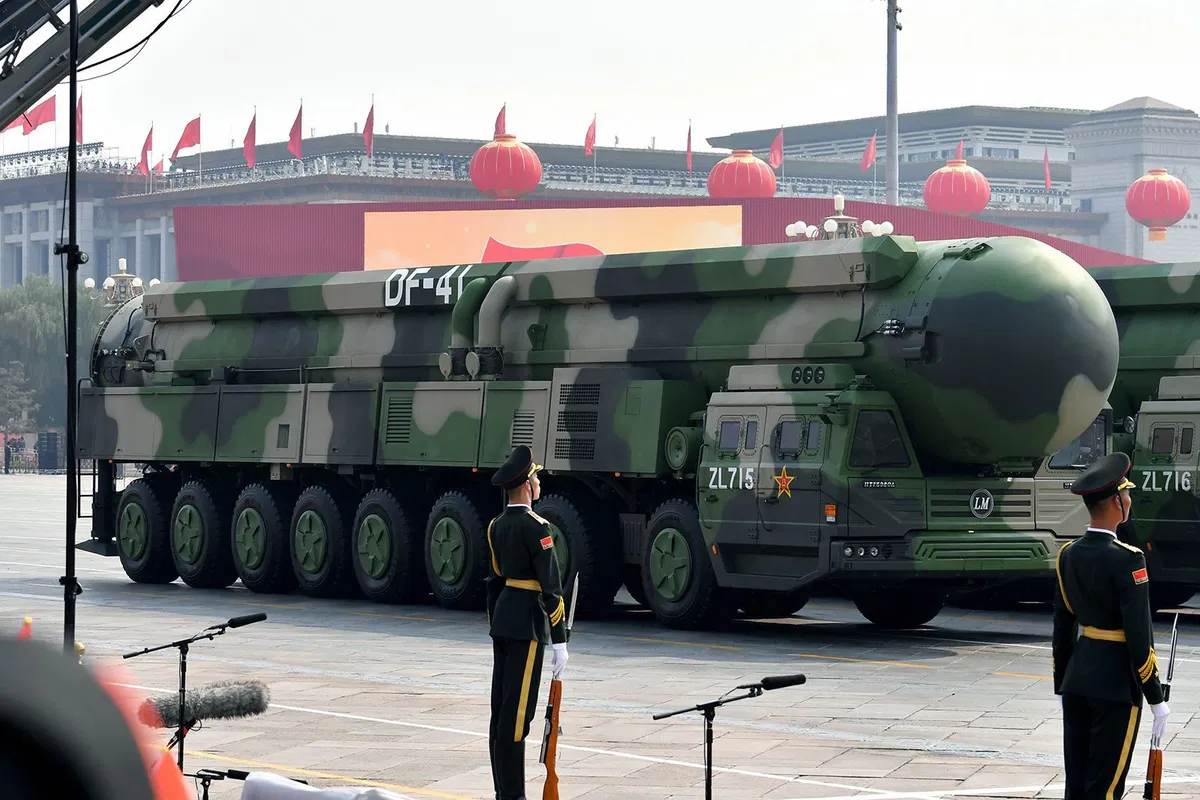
(89, 284)
(812, 231)
(154, 282)
(886, 228)
(830, 226)
(110, 282)
(790, 230)
(867, 227)
(137, 282)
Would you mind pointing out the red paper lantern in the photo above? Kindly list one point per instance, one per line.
(741, 174)
(505, 169)
(958, 189)
(1158, 200)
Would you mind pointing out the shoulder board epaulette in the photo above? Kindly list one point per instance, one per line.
(543, 521)
(1128, 547)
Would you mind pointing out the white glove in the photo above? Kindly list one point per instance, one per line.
(559, 662)
(1160, 712)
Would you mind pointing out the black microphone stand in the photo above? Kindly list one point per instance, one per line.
(183, 645)
(709, 710)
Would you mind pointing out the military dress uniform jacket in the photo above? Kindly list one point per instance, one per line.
(525, 599)
(1104, 588)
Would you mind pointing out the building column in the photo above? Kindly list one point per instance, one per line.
(139, 247)
(164, 265)
(26, 244)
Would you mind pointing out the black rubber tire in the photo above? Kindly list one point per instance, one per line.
(404, 581)
(274, 504)
(214, 566)
(633, 585)
(592, 551)
(155, 564)
(1169, 595)
(469, 593)
(901, 608)
(704, 605)
(335, 578)
(772, 605)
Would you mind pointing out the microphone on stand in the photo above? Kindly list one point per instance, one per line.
(221, 700)
(775, 682)
(237, 622)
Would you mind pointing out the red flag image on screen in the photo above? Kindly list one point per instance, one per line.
(496, 251)
(294, 137)
(776, 156)
(190, 137)
(369, 131)
(868, 156)
(248, 142)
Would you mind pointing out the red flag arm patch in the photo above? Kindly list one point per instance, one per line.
(548, 542)
(1140, 576)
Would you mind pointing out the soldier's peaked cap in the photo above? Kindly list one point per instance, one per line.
(1105, 477)
(519, 468)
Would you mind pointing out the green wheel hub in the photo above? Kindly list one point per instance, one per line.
(131, 531)
(670, 564)
(187, 534)
(312, 542)
(250, 538)
(448, 549)
(374, 546)
(560, 553)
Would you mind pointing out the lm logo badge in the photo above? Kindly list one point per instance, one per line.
(982, 503)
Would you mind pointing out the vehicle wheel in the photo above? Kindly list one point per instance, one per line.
(320, 544)
(143, 537)
(899, 608)
(772, 605)
(677, 575)
(261, 554)
(457, 557)
(387, 549)
(587, 547)
(1169, 595)
(199, 537)
(633, 585)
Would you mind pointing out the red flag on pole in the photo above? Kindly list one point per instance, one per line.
(79, 121)
(38, 115)
(1046, 165)
(775, 159)
(248, 142)
(589, 139)
(294, 137)
(689, 146)
(158, 168)
(868, 156)
(500, 121)
(959, 152)
(144, 165)
(190, 137)
(369, 130)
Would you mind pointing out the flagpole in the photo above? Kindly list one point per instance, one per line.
(782, 158)
(200, 141)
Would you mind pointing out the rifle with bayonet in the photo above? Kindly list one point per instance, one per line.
(549, 754)
(1153, 788)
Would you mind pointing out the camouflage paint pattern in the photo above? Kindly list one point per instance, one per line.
(963, 354)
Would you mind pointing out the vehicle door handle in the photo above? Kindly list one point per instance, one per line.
(710, 498)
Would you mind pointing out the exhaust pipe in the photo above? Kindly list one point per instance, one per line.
(487, 359)
(453, 364)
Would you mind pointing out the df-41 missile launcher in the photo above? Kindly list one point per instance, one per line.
(722, 429)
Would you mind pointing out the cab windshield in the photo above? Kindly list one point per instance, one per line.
(1086, 448)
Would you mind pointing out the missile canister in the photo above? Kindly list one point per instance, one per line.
(999, 348)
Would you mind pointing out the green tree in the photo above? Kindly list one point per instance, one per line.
(31, 332)
(17, 403)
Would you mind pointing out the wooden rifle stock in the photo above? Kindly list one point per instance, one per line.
(549, 754)
(1153, 787)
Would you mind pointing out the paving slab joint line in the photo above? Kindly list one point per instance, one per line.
(936, 794)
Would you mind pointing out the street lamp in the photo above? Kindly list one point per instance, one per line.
(838, 226)
(120, 286)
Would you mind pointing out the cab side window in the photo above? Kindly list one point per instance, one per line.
(1185, 440)
(751, 435)
(730, 436)
(789, 439)
(877, 441)
(1162, 441)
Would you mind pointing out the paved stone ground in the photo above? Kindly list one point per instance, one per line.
(396, 696)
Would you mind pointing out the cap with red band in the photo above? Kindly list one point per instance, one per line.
(1104, 478)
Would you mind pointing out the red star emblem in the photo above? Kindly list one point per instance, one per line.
(784, 482)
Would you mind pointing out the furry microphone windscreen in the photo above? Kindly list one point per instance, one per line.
(221, 700)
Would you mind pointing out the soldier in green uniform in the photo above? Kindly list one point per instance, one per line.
(1103, 654)
(525, 610)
